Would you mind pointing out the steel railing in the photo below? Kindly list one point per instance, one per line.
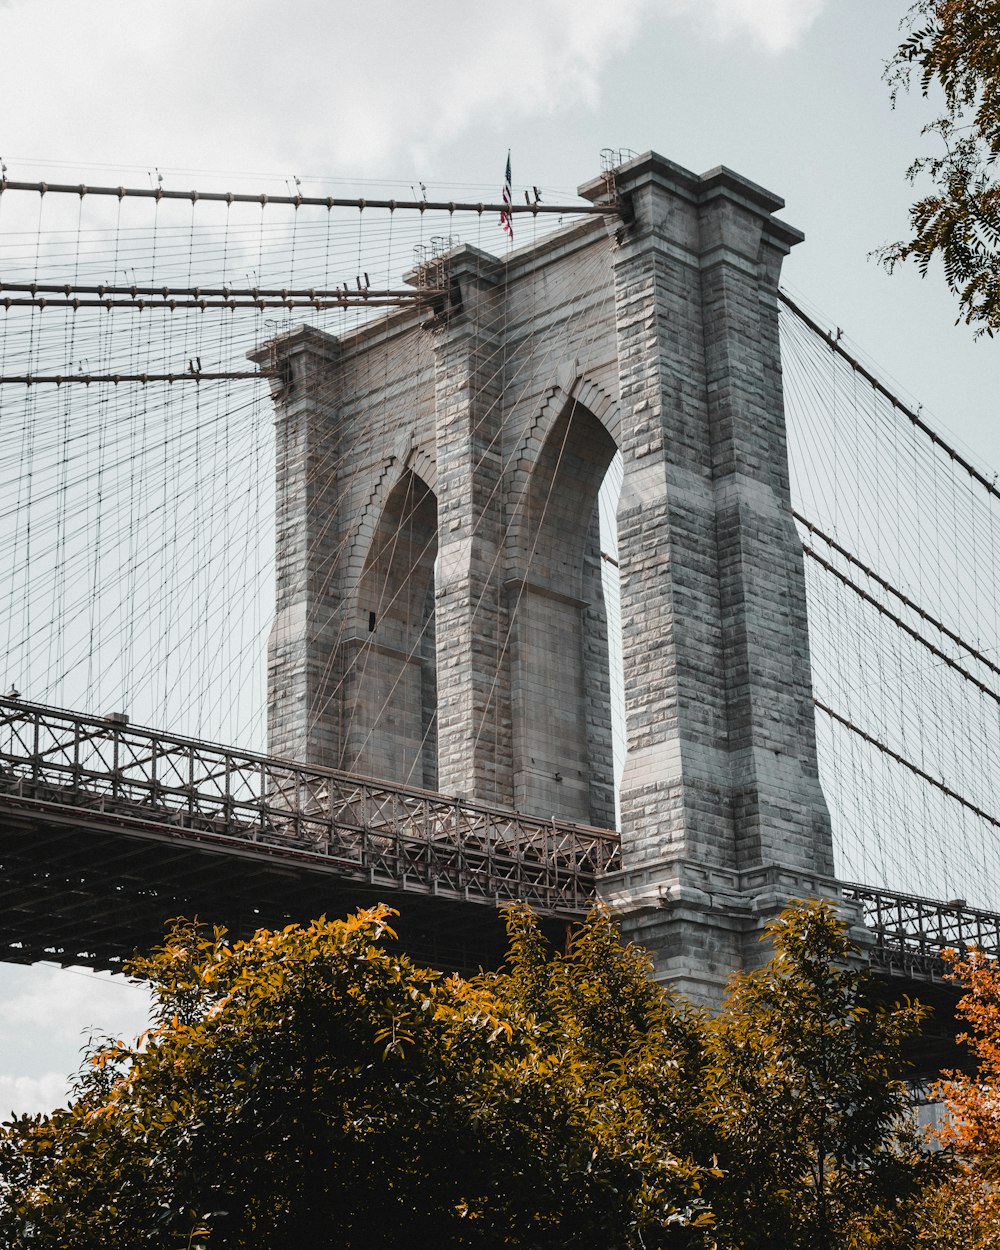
(52, 759)
(912, 933)
(62, 760)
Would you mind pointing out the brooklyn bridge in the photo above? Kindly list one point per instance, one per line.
(598, 570)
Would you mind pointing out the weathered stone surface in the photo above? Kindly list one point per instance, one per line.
(440, 611)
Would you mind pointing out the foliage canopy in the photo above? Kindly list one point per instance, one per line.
(815, 1140)
(316, 1087)
(964, 1213)
(313, 1087)
(953, 46)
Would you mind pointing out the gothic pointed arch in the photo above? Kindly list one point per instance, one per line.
(407, 457)
(560, 686)
(390, 679)
(569, 388)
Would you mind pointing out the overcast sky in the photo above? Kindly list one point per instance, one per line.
(787, 92)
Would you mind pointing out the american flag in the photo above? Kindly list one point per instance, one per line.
(506, 221)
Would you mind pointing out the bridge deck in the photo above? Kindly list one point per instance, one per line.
(912, 932)
(107, 831)
(93, 808)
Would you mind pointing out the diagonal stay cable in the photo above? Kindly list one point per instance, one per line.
(887, 586)
(900, 624)
(908, 764)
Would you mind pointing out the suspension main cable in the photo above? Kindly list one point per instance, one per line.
(888, 586)
(908, 764)
(605, 209)
(833, 341)
(901, 624)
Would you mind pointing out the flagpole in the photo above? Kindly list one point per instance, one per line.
(507, 194)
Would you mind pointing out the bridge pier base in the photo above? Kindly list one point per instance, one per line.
(700, 926)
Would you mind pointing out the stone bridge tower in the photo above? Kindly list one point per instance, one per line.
(440, 614)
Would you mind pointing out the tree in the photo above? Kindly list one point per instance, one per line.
(811, 1116)
(314, 1088)
(954, 45)
(974, 1098)
(964, 1214)
(961, 1212)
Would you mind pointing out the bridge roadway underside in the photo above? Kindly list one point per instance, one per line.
(92, 890)
(935, 1049)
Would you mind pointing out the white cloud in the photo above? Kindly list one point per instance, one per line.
(46, 1016)
(62, 1002)
(25, 1095)
(315, 88)
(528, 58)
(319, 86)
(391, 78)
(776, 25)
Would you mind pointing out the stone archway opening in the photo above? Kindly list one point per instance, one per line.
(390, 692)
(560, 673)
(607, 503)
